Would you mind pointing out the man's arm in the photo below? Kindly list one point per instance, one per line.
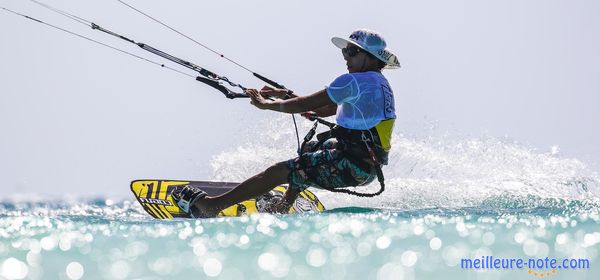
(326, 111)
(293, 105)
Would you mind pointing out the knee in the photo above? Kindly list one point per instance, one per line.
(275, 174)
(278, 170)
(278, 167)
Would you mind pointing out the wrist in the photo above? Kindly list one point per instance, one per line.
(287, 94)
(274, 105)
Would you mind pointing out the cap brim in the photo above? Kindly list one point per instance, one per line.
(392, 63)
(342, 43)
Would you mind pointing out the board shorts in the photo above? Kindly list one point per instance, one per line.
(327, 168)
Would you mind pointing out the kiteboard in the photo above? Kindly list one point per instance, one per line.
(155, 198)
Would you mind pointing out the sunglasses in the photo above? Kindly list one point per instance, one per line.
(350, 51)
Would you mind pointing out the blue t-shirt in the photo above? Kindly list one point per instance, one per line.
(364, 99)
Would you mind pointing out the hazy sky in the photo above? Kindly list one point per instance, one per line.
(81, 118)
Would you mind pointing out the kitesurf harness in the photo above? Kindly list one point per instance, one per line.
(358, 146)
(221, 83)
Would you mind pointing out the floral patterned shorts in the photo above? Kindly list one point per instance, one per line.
(327, 168)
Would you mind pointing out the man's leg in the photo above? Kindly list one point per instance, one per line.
(257, 185)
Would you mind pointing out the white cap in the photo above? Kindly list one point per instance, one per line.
(373, 43)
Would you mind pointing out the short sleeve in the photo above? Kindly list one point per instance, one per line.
(343, 89)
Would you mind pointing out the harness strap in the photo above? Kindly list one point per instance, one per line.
(309, 135)
(380, 178)
(335, 132)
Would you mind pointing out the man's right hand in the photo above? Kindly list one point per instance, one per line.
(309, 115)
(268, 91)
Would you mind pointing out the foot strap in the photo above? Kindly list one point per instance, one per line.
(186, 197)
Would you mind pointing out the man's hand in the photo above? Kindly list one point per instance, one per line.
(279, 207)
(283, 206)
(257, 99)
(268, 91)
(309, 115)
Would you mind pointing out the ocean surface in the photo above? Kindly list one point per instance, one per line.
(446, 200)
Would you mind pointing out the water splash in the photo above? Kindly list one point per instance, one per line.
(436, 172)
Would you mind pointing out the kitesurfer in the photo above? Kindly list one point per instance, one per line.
(351, 154)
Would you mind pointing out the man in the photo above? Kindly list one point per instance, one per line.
(363, 103)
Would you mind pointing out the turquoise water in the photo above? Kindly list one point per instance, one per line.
(103, 239)
(446, 200)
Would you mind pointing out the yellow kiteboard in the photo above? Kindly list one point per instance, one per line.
(155, 197)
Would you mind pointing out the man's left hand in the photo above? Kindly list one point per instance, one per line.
(280, 207)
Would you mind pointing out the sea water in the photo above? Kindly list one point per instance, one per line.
(445, 201)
